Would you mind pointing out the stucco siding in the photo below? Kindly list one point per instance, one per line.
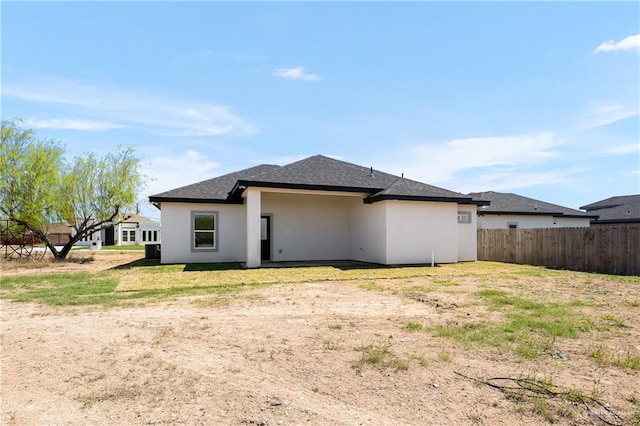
(176, 233)
(327, 227)
(501, 221)
(416, 229)
(570, 222)
(468, 235)
(368, 239)
(308, 227)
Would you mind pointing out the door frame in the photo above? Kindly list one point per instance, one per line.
(266, 244)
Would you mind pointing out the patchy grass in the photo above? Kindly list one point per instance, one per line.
(413, 326)
(380, 356)
(628, 358)
(513, 314)
(529, 327)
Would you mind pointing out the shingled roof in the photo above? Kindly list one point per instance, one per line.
(312, 173)
(509, 203)
(620, 209)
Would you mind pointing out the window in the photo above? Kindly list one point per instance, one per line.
(132, 236)
(464, 217)
(512, 225)
(125, 236)
(155, 235)
(204, 235)
(144, 236)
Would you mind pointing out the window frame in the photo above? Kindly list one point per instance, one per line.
(464, 213)
(195, 213)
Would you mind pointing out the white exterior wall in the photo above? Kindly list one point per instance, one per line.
(570, 222)
(126, 227)
(149, 227)
(368, 240)
(415, 229)
(252, 203)
(176, 233)
(468, 235)
(308, 227)
(495, 221)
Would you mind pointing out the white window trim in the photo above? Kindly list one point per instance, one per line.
(464, 220)
(195, 249)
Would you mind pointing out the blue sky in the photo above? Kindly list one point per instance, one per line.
(540, 99)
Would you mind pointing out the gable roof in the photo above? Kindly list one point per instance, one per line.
(509, 203)
(612, 202)
(620, 209)
(135, 218)
(312, 173)
(211, 190)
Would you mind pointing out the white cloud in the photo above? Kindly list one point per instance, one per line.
(71, 124)
(297, 73)
(440, 163)
(508, 179)
(134, 108)
(628, 44)
(605, 114)
(169, 172)
(633, 148)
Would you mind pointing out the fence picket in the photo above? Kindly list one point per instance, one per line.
(605, 249)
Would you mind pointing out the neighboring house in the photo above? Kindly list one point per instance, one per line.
(132, 230)
(318, 209)
(508, 210)
(615, 210)
(59, 233)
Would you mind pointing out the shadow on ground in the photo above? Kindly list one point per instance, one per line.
(344, 265)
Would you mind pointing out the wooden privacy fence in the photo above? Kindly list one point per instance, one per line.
(604, 249)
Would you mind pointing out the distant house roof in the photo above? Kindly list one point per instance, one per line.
(620, 209)
(59, 228)
(508, 203)
(135, 218)
(312, 173)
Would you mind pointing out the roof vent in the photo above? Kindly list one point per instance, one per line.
(371, 171)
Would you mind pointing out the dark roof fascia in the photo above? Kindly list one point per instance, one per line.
(195, 200)
(554, 214)
(615, 221)
(385, 197)
(476, 202)
(578, 216)
(241, 185)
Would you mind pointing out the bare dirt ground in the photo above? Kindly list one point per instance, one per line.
(283, 354)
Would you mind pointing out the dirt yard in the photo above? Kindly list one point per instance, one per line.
(299, 354)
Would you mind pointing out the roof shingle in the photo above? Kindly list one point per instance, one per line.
(314, 173)
(502, 202)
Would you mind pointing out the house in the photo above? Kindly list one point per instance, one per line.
(315, 209)
(615, 210)
(507, 210)
(133, 229)
(59, 233)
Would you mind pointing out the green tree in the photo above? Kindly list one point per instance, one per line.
(39, 187)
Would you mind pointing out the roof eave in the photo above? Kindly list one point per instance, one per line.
(386, 197)
(158, 200)
(615, 221)
(577, 216)
(242, 185)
